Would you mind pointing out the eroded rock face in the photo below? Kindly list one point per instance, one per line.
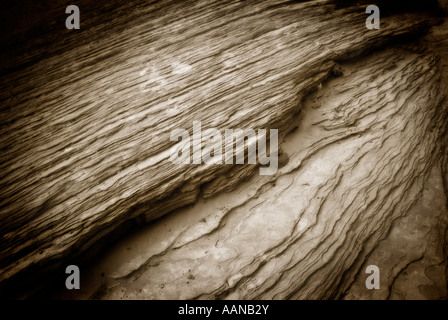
(352, 194)
(86, 147)
(412, 255)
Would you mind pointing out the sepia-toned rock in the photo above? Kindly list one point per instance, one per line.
(363, 162)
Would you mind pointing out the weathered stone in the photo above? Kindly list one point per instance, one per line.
(85, 146)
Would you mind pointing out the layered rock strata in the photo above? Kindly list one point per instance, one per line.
(85, 147)
(363, 184)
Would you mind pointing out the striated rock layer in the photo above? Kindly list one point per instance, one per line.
(85, 146)
(354, 192)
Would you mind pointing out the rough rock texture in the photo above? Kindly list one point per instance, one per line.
(353, 193)
(85, 141)
(412, 256)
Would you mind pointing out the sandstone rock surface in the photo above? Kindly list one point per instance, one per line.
(85, 151)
